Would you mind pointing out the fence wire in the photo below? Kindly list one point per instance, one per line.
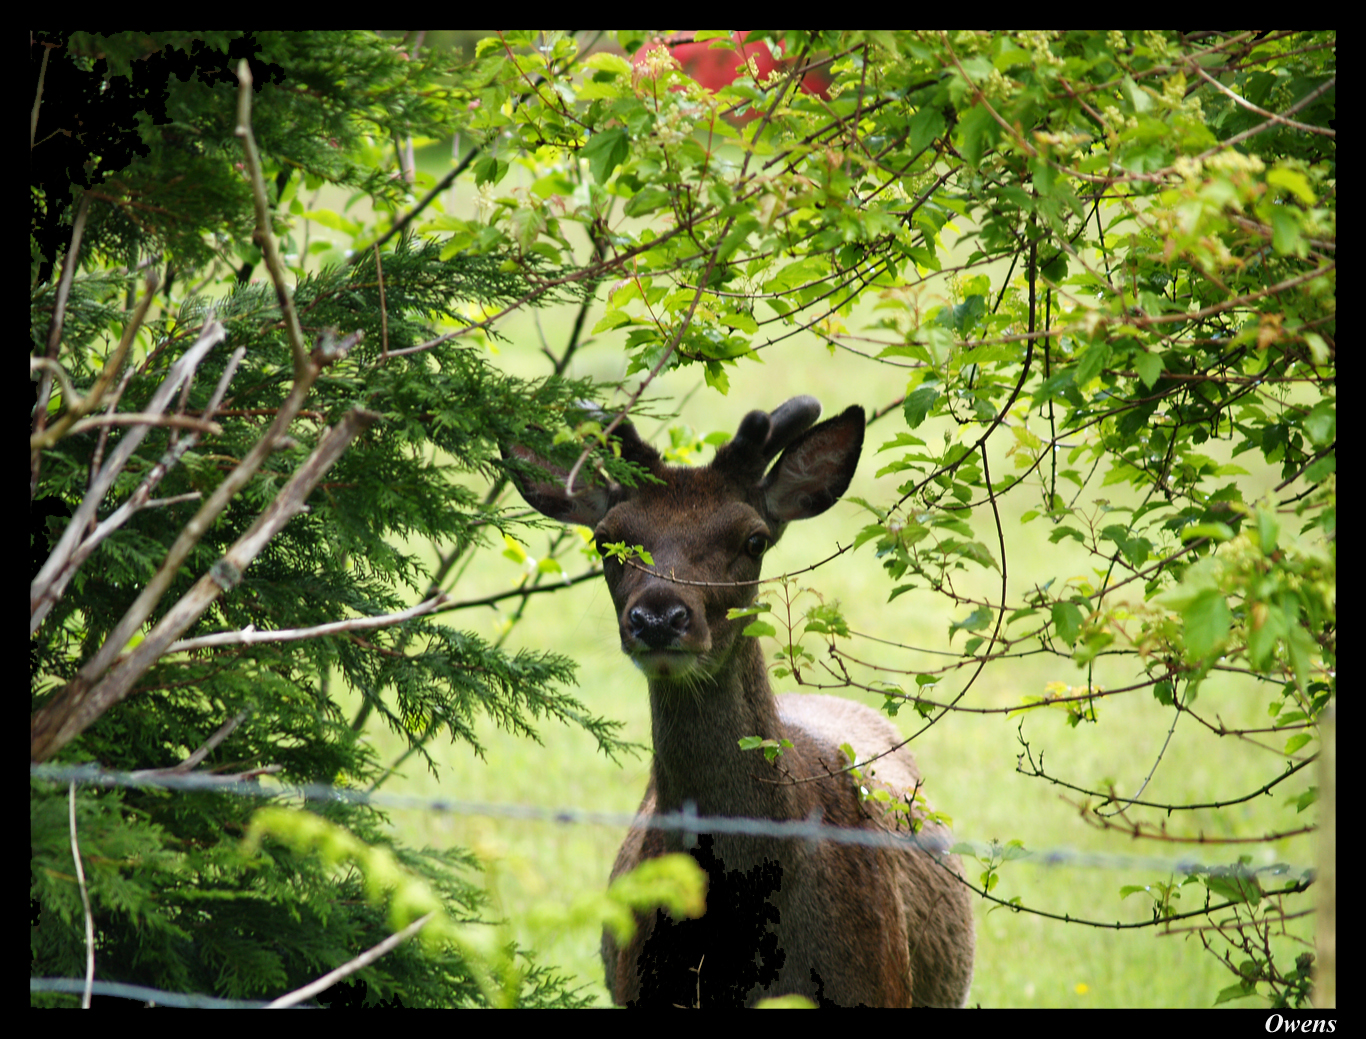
(143, 994)
(686, 821)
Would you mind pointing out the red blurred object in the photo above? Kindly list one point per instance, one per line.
(715, 68)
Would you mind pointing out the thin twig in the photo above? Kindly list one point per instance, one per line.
(1273, 120)
(667, 356)
(88, 695)
(383, 310)
(77, 407)
(262, 236)
(85, 901)
(38, 94)
(43, 588)
(1306, 127)
(249, 636)
(139, 498)
(54, 335)
(188, 765)
(140, 418)
(369, 956)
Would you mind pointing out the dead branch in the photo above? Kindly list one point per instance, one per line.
(86, 696)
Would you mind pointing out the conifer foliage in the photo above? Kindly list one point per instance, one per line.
(159, 186)
(1093, 271)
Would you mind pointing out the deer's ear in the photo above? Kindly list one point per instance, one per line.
(816, 468)
(789, 420)
(586, 506)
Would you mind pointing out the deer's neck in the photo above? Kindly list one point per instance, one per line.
(697, 727)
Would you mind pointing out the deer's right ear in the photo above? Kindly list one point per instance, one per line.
(816, 468)
(586, 506)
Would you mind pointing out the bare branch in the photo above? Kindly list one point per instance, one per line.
(38, 96)
(83, 700)
(138, 418)
(139, 498)
(79, 406)
(249, 636)
(54, 335)
(351, 966)
(1272, 116)
(85, 900)
(44, 590)
(270, 251)
(185, 767)
(1273, 119)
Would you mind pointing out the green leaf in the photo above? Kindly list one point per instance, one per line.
(827, 619)
(1268, 531)
(1285, 232)
(977, 131)
(1296, 742)
(1136, 95)
(742, 229)
(1215, 531)
(1293, 181)
(487, 45)
(1322, 468)
(1092, 362)
(1134, 549)
(1240, 991)
(974, 550)
(771, 748)
(1322, 423)
(1234, 887)
(612, 319)
(1067, 621)
(489, 170)
(918, 404)
(715, 376)
(975, 621)
(1208, 620)
(963, 317)
(647, 201)
(748, 611)
(1149, 367)
(605, 61)
(925, 126)
(605, 151)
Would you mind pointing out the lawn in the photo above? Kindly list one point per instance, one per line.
(969, 759)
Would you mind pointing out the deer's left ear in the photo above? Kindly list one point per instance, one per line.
(816, 468)
(586, 506)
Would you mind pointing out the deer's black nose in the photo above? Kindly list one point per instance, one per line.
(658, 627)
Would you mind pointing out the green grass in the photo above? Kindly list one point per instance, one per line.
(968, 758)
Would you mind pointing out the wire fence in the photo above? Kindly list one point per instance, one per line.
(143, 994)
(686, 821)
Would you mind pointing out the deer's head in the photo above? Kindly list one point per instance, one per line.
(705, 529)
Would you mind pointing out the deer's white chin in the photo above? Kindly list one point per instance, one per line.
(666, 663)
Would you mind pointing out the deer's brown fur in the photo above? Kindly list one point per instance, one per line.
(844, 924)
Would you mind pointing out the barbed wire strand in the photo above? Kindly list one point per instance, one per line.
(161, 997)
(686, 821)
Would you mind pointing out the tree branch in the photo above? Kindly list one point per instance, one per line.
(82, 701)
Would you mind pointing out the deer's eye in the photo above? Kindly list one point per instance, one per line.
(756, 546)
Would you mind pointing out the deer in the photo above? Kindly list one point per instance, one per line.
(843, 924)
